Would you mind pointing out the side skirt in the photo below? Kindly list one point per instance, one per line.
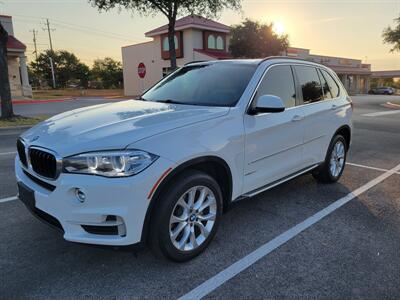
(275, 183)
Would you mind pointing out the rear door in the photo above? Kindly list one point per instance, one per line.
(321, 108)
(273, 141)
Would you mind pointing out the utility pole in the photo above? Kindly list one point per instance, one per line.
(34, 42)
(52, 72)
(48, 29)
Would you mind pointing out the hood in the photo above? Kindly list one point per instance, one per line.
(114, 125)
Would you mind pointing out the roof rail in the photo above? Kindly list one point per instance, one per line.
(195, 61)
(285, 57)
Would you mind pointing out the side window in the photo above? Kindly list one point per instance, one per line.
(309, 83)
(333, 86)
(211, 41)
(165, 43)
(279, 82)
(220, 43)
(325, 87)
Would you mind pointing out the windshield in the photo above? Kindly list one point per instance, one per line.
(217, 84)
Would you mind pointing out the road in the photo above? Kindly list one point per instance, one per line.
(351, 251)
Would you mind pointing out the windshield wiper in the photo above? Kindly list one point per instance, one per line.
(170, 101)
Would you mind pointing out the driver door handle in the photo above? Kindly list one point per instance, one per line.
(297, 118)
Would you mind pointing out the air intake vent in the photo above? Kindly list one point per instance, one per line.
(43, 163)
(21, 153)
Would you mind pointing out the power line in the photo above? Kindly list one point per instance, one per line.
(79, 26)
(93, 33)
(82, 29)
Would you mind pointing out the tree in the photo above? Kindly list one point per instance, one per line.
(392, 36)
(5, 90)
(108, 71)
(67, 67)
(170, 8)
(251, 39)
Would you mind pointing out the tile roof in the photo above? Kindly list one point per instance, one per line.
(13, 43)
(214, 54)
(191, 22)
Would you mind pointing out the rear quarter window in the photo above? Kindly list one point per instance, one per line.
(332, 84)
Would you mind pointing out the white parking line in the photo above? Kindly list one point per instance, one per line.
(8, 199)
(368, 167)
(382, 113)
(216, 281)
(8, 153)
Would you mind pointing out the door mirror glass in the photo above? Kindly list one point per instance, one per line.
(268, 104)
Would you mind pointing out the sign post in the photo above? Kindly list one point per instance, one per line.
(141, 73)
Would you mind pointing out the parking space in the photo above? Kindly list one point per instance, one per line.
(351, 252)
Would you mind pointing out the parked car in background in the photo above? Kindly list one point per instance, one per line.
(383, 90)
(162, 169)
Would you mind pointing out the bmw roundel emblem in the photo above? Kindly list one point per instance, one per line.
(35, 138)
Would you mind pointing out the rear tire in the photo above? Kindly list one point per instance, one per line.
(187, 217)
(332, 168)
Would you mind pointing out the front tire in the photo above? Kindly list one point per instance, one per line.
(332, 168)
(187, 217)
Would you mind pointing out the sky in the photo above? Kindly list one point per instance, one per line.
(345, 28)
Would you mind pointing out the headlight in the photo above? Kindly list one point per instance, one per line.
(109, 163)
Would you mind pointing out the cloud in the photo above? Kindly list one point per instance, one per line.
(326, 20)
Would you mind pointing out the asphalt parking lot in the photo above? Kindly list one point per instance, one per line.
(302, 239)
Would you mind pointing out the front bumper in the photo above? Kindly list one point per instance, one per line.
(114, 209)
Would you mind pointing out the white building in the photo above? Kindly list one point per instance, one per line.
(196, 39)
(17, 70)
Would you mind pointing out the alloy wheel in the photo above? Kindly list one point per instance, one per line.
(193, 218)
(337, 159)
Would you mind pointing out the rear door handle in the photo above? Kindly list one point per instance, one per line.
(334, 107)
(297, 118)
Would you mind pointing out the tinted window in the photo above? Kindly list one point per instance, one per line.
(216, 84)
(279, 82)
(325, 87)
(310, 84)
(333, 86)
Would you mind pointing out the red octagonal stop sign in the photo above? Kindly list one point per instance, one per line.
(141, 69)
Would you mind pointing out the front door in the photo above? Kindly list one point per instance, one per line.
(273, 141)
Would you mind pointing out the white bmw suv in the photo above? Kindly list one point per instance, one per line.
(163, 168)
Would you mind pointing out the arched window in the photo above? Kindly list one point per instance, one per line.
(165, 43)
(211, 42)
(220, 43)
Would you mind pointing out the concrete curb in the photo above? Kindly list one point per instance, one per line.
(393, 104)
(17, 102)
(15, 127)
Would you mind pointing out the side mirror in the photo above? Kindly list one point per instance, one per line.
(268, 104)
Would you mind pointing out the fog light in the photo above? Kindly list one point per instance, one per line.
(80, 195)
